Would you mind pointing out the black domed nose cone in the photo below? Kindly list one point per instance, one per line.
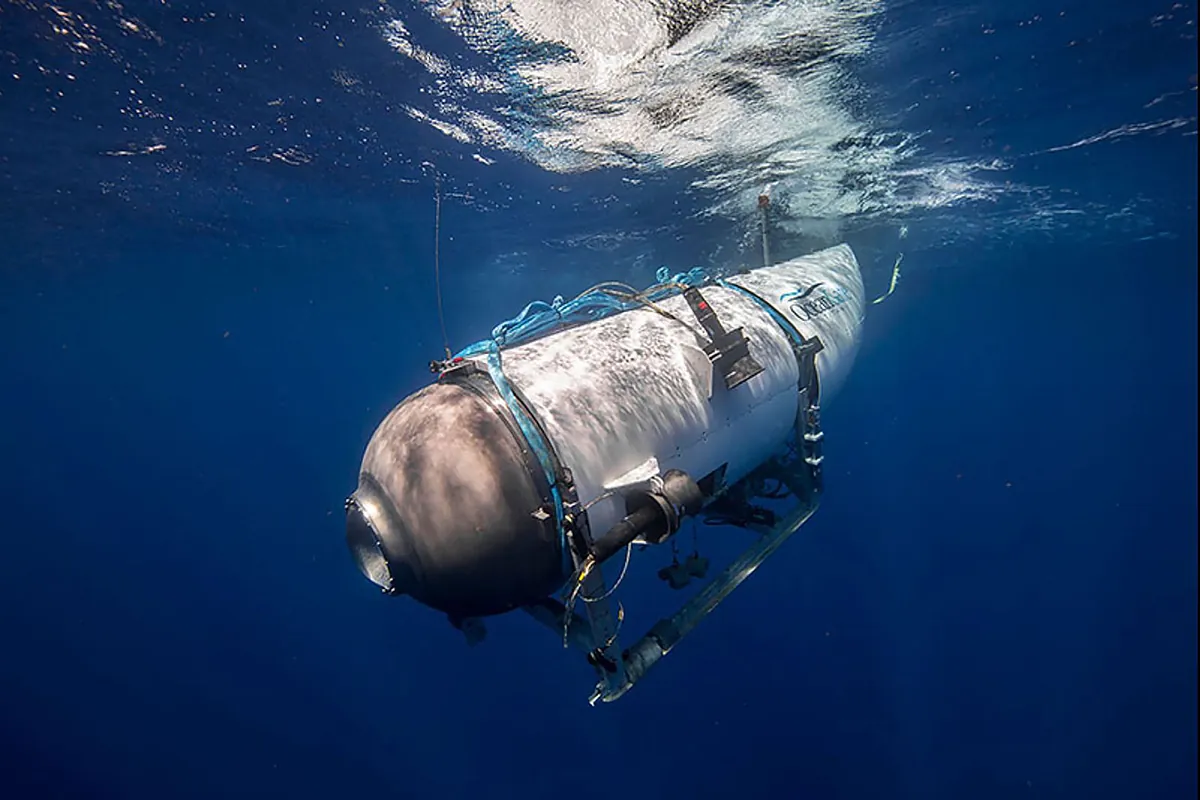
(447, 509)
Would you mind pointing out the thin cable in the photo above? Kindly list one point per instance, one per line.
(577, 594)
(569, 609)
(642, 298)
(621, 577)
(597, 499)
(437, 246)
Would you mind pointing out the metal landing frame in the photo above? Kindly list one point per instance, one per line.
(662, 637)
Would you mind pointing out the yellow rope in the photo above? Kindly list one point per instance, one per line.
(895, 280)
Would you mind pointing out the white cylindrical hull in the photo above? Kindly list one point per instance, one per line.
(637, 388)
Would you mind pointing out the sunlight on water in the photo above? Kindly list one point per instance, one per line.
(854, 116)
(755, 97)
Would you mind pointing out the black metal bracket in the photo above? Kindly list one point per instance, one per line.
(729, 351)
(808, 426)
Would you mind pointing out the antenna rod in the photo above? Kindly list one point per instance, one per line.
(437, 270)
(764, 202)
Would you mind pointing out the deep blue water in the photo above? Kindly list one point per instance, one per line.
(996, 599)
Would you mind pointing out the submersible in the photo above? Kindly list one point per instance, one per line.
(583, 429)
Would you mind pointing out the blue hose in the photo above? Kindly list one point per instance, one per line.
(539, 318)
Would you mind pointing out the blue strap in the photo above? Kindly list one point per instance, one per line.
(541, 449)
(788, 328)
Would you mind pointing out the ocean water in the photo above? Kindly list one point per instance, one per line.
(217, 235)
